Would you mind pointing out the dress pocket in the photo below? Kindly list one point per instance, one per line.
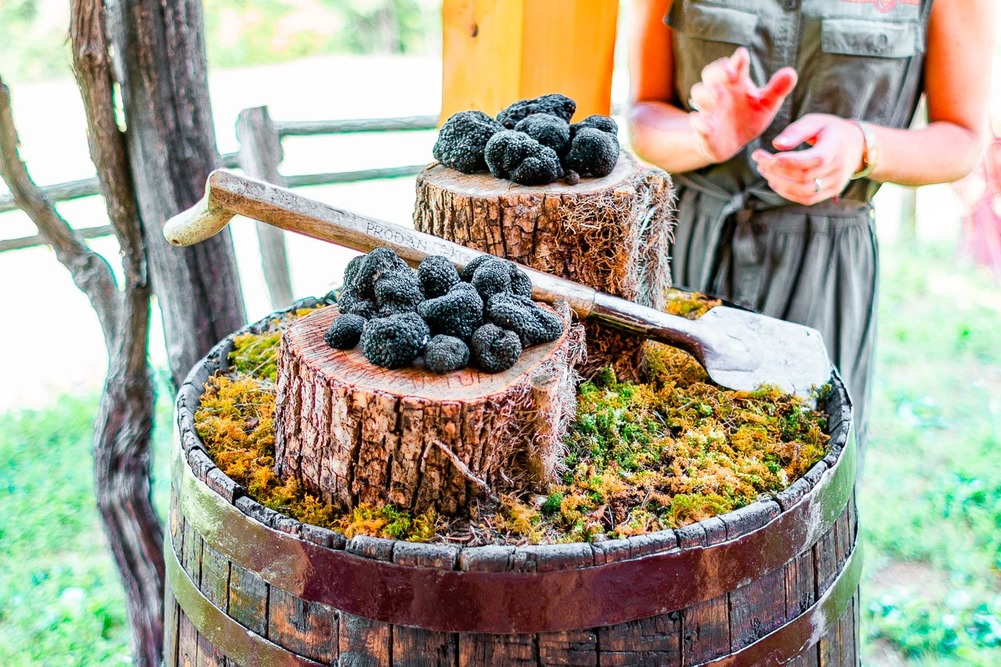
(703, 33)
(713, 23)
(871, 39)
(860, 68)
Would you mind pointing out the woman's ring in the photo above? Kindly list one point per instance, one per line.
(818, 185)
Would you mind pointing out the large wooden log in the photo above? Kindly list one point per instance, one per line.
(355, 433)
(609, 233)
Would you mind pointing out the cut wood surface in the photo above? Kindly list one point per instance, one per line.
(608, 233)
(355, 433)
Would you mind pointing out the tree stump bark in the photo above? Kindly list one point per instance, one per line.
(609, 233)
(355, 433)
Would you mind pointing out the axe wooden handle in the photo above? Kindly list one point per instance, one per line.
(228, 194)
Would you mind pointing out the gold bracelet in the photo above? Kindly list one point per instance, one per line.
(870, 150)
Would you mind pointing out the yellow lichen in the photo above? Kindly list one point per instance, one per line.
(641, 457)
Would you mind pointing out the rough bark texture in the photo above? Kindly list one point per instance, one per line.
(356, 433)
(260, 154)
(125, 419)
(160, 64)
(608, 233)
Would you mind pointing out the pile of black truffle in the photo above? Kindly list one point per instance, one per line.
(531, 142)
(485, 314)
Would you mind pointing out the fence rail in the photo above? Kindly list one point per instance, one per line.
(88, 187)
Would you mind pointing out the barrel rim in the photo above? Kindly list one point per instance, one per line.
(495, 558)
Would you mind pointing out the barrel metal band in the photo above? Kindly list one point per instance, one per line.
(514, 602)
(808, 628)
(219, 629)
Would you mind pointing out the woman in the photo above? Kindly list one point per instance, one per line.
(775, 180)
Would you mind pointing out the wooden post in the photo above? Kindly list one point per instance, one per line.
(496, 52)
(159, 53)
(259, 156)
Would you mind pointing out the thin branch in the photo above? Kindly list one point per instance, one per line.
(89, 270)
(109, 152)
(124, 424)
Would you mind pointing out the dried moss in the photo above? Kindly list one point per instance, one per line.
(236, 422)
(691, 305)
(642, 457)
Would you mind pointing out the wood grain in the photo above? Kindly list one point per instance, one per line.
(608, 233)
(355, 433)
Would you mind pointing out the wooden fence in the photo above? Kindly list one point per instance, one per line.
(260, 155)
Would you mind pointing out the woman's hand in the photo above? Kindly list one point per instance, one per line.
(819, 172)
(730, 110)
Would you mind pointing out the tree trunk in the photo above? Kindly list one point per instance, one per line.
(608, 233)
(161, 67)
(124, 424)
(355, 433)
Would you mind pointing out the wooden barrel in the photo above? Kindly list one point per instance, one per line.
(773, 583)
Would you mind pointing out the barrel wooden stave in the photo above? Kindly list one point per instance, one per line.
(693, 636)
(319, 634)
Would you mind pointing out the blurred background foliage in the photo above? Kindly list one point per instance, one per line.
(238, 32)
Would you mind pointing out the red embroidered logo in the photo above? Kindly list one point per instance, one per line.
(884, 5)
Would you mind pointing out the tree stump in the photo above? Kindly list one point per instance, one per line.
(355, 433)
(609, 233)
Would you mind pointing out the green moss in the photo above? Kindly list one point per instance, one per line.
(640, 457)
(645, 457)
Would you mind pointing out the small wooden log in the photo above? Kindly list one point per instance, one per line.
(608, 233)
(355, 433)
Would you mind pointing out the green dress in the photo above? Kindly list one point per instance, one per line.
(736, 238)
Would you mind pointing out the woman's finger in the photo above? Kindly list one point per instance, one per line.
(703, 96)
(809, 192)
(778, 87)
(718, 71)
(801, 131)
(741, 63)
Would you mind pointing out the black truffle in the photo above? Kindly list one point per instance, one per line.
(394, 341)
(592, 152)
(374, 266)
(457, 313)
(520, 158)
(437, 275)
(398, 293)
(351, 270)
(350, 302)
(603, 123)
(571, 177)
(524, 317)
(491, 278)
(553, 104)
(462, 140)
(467, 272)
(520, 282)
(495, 349)
(548, 130)
(445, 353)
(344, 332)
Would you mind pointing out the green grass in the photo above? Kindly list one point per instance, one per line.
(60, 599)
(930, 501)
